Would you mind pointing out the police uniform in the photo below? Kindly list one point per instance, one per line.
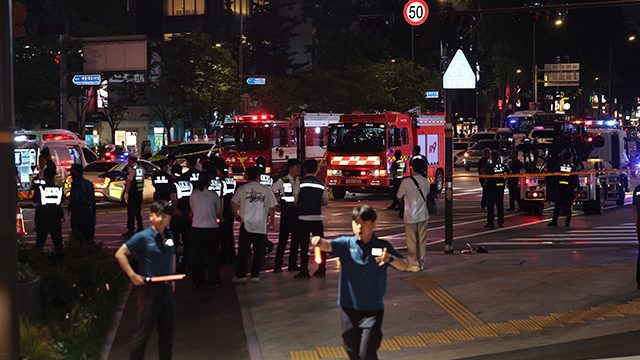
(495, 191)
(567, 184)
(134, 204)
(310, 191)
(49, 214)
(418, 156)
(288, 222)
(163, 183)
(636, 206)
(181, 224)
(398, 169)
(227, 245)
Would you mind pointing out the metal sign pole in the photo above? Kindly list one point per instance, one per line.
(448, 174)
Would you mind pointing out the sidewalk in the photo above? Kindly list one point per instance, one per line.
(460, 306)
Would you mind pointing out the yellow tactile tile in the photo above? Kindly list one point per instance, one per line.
(546, 321)
(588, 314)
(525, 324)
(410, 341)
(481, 331)
(607, 311)
(504, 328)
(458, 334)
(635, 303)
(434, 338)
(304, 355)
(332, 352)
(389, 344)
(568, 318)
(626, 308)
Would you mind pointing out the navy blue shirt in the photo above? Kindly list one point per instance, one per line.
(155, 252)
(363, 282)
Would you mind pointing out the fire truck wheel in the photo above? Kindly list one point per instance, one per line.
(439, 181)
(338, 193)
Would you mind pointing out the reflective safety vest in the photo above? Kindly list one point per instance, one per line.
(266, 180)
(287, 190)
(400, 167)
(229, 186)
(216, 186)
(138, 179)
(496, 168)
(50, 195)
(183, 189)
(564, 178)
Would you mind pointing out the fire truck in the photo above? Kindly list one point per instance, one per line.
(603, 146)
(361, 149)
(252, 136)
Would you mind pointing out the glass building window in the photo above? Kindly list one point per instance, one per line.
(184, 7)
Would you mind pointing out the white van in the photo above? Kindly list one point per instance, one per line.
(66, 148)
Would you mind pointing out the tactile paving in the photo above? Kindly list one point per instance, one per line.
(607, 311)
(504, 328)
(546, 321)
(332, 352)
(626, 308)
(481, 331)
(434, 338)
(389, 344)
(410, 341)
(588, 314)
(568, 318)
(304, 355)
(458, 334)
(525, 324)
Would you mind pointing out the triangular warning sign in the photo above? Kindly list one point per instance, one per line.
(459, 74)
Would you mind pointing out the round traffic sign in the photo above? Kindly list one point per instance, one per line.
(416, 12)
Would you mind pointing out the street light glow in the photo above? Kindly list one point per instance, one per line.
(518, 71)
(559, 22)
(631, 38)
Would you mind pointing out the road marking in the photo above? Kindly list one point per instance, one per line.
(332, 352)
(530, 243)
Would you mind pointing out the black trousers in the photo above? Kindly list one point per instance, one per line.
(495, 196)
(483, 201)
(245, 241)
(307, 229)
(564, 200)
(288, 225)
(206, 252)
(83, 222)
(46, 227)
(361, 333)
(181, 228)
(638, 263)
(134, 212)
(395, 185)
(514, 194)
(227, 244)
(156, 305)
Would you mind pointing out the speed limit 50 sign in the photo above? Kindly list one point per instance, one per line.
(416, 12)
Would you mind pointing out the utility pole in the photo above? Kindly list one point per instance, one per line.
(240, 70)
(9, 322)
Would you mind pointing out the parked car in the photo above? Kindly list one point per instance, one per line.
(459, 148)
(180, 151)
(473, 155)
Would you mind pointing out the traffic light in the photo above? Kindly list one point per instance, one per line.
(376, 22)
(461, 20)
(545, 16)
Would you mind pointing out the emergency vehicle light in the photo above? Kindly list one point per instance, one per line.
(253, 117)
(20, 138)
(585, 180)
(57, 137)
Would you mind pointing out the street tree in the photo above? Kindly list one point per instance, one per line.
(118, 97)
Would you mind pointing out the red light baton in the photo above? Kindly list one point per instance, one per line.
(164, 278)
(317, 255)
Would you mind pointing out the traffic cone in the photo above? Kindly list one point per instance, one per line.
(20, 222)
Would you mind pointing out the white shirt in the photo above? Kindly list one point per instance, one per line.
(204, 205)
(325, 195)
(415, 207)
(255, 200)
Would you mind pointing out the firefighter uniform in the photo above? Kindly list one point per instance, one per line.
(181, 224)
(565, 195)
(495, 191)
(288, 223)
(48, 200)
(134, 204)
(398, 169)
(227, 245)
(163, 183)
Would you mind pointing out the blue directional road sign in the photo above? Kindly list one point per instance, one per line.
(87, 79)
(431, 94)
(257, 81)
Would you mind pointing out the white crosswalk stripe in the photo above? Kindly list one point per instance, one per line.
(623, 234)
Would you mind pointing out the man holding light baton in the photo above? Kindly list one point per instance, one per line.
(157, 258)
(363, 282)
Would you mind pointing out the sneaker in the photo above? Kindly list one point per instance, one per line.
(237, 280)
(320, 273)
(490, 226)
(500, 225)
(302, 275)
(293, 268)
(413, 269)
(277, 270)
(567, 223)
(553, 223)
(255, 280)
(269, 247)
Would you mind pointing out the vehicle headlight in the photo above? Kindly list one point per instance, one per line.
(335, 172)
(466, 154)
(104, 184)
(376, 173)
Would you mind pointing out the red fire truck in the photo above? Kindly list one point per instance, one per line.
(252, 136)
(361, 149)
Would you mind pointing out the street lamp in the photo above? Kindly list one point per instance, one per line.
(536, 17)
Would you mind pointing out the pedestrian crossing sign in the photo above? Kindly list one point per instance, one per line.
(459, 74)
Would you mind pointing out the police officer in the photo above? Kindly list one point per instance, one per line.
(494, 187)
(162, 181)
(567, 184)
(398, 169)
(636, 217)
(48, 199)
(227, 189)
(513, 184)
(418, 155)
(181, 220)
(133, 195)
(283, 188)
(482, 166)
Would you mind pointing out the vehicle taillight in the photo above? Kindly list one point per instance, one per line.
(585, 181)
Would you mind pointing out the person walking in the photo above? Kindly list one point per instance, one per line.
(162, 181)
(133, 195)
(364, 260)
(415, 190)
(82, 205)
(206, 207)
(567, 184)
(513, 184)
(310, 195)
(636, 217)
(288, 216)
(482, 164)
(181, 220)
(494, 188)
(227, 189)
(253, 205)
(398, 168)
(156, 254)
(48, 199)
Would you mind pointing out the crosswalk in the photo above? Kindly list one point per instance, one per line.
(623, 234)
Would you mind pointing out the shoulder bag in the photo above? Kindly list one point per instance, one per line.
(431, 200)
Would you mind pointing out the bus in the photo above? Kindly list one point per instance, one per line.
(522, 123)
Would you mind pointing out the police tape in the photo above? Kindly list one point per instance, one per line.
(584, 172)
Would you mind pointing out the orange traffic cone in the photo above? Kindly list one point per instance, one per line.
(20, 222)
